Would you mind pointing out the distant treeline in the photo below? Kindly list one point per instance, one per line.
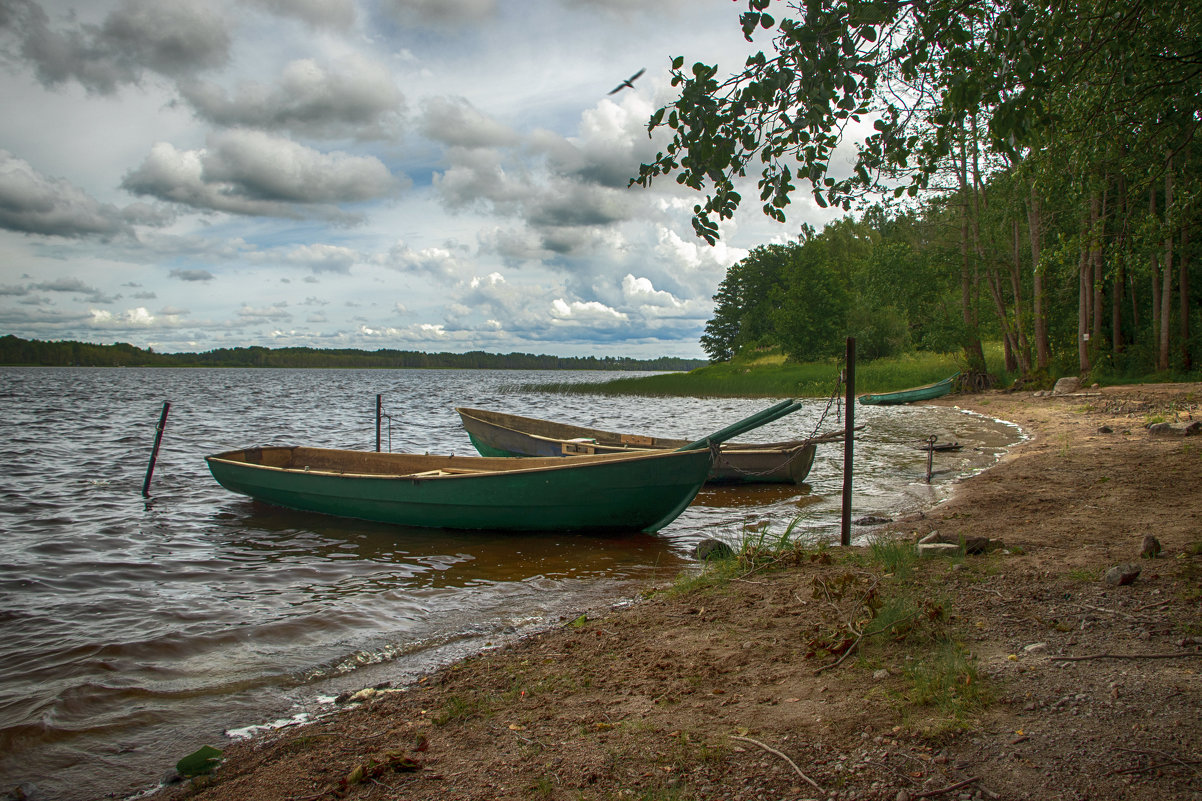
(33, 352)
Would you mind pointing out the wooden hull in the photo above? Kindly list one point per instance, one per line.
(500, 434)
(639, 492)
(927, 392)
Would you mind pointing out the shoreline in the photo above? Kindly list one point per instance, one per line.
(682, 695)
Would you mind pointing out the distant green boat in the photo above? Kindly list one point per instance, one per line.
(622, 492)
(936, 390)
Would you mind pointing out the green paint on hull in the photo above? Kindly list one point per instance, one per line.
(607, 493)
(936, 390)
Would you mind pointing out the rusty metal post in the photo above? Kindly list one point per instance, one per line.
(930, 455)
(849, 436)
(154, 453)
(379, 416)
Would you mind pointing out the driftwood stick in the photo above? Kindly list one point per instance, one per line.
(1172, 763)
(792, 764)
(951, 789)
(1107, 611)
(860, 639)
(1123, 656)
(1173, 760)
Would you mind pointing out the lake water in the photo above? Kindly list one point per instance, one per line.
(133, 632)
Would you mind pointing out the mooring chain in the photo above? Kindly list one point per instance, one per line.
(835, 400)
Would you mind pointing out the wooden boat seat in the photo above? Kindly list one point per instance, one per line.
(445, 471)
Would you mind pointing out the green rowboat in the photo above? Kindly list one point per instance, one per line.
(621, 492)
(501, 434)
(936, 390)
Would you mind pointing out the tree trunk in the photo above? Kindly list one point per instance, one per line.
(1016, 285)
(1084, 273)
(1043, 352)
(1187, 361)
(1009, 342)
(1155, 273)
(1166, 292)
(974, 353)
(1120, 274)
(1096, 243)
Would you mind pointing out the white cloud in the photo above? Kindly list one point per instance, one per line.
(34, 203)
(324, 258)
(131, 318)
(169, 37)
(318, 13)
(454, 121)
(642, 292)
(255, 173)
(451, 12)
(359, 100)
(585, 311)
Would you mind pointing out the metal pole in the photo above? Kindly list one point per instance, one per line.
(849, 436)
(379, 415)
(154, 453)
(930, 455)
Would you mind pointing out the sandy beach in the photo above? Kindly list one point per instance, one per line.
(832, 673)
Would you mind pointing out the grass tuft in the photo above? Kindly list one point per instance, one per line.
(895, 555)
(947, 679)
(458, 709)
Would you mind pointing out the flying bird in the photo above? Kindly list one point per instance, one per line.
(629, 82)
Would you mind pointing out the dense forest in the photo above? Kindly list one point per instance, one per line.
(1042, 159)
(17, 351)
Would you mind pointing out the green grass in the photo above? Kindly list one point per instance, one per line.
(542, 787)
(759, 547)
(946, 678)
(894, 555)
(772, 376)
(1085, 575)
(457, 708)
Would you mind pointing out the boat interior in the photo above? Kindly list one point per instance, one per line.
(330, 460)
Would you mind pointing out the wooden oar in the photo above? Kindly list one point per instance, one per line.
(756, 420)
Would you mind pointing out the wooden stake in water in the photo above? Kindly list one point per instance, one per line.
(154, 454)
(849, 436)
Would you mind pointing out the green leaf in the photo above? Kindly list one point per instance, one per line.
(749, 21)
(199, 762)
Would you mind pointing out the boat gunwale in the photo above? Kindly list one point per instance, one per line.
(900, 393)
(560, 463)
(620, 448)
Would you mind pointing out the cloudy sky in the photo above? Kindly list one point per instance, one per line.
(439, 175)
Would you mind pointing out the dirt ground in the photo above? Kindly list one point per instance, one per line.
(1017, 673)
